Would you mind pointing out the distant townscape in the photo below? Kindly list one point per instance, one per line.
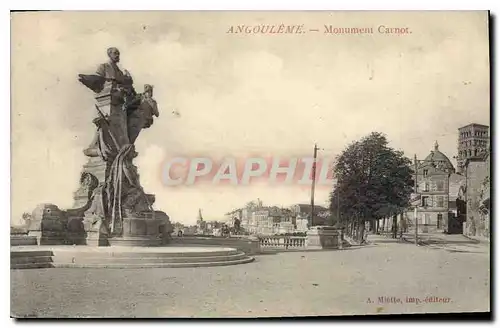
(255, 218)
(448, 200)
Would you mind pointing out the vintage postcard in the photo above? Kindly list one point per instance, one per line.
(210, 164)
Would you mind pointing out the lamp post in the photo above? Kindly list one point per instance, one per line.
(313, 185)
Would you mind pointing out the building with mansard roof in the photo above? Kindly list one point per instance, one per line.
(436, 193)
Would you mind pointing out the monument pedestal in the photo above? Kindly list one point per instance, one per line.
(324, 237)
(152, 231)
(96, 234)
(48, 225)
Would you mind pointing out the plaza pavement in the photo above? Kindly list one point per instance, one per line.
(349, 281)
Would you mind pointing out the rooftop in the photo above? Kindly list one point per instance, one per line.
(473, 124)
(438, 160)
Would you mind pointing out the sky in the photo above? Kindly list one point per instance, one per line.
(240, 95)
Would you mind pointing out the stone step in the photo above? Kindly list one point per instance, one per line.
(246, 259)
(141, 254)
(31, 266)
(30, 259)
(125, 257)
(29, 253)
(135, 259)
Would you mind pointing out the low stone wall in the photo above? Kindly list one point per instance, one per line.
(22, 240)
(248, 245)
(283, 242)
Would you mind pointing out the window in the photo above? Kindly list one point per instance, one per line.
(426, 172)
(439, 221)
(440, 201)
(426, 187)
(439, 185)
(425, 201)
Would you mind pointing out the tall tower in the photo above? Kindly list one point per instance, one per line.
(473, 140)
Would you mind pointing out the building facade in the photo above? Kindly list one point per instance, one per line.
(437, 188)
(272, 220)
(303, 211)
(477, 196)
(473, 140)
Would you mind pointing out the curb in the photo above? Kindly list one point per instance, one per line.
(479, 241)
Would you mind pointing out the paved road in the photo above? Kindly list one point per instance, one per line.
(284, 284)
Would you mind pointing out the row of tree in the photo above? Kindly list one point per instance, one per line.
(374, 181)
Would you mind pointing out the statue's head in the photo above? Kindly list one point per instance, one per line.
(148, 88)
(114, 54)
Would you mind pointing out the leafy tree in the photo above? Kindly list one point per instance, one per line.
(253, 205)
(373, 181)
(26, 218)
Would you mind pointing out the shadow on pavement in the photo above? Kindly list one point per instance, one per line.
(462, 251)
(279, 251)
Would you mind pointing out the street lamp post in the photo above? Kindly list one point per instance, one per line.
(313, 185)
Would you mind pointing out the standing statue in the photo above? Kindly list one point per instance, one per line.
(110, 206)
(121, 113)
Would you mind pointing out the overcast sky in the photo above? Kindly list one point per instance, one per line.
(239, 94)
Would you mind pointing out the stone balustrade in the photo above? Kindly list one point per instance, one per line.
(283, 242)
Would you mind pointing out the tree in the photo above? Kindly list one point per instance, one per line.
(373, 181)
(253, 205)
(237, 225)
(26, 218)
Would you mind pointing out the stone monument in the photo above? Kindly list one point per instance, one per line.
(110, 206)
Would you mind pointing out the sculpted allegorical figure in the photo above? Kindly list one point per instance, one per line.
(142, 117)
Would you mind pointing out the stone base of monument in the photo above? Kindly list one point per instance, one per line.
(140, 232)
(324, 237)
(135, 241)
(29, 257)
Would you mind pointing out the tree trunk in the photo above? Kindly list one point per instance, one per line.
(377, 226)
(355, 230)
(383, 224)
(361, 231)
(395, 226)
